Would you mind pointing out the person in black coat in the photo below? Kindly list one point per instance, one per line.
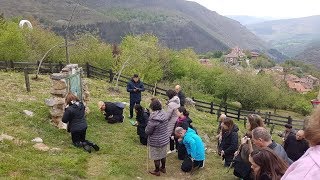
(180, 94)
(113, 111)
(142, 120)
(135, 87)
(229, 142)
(296, 145)
(74, 115)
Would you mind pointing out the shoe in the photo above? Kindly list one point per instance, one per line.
(163, 170)
(87, 148)
(173, 151)
(156, 173)
(95, 147)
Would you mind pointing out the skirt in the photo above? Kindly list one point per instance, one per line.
(157, 153)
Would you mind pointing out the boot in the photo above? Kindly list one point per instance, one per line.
(95, 146)
(86, 147)
(156, 173)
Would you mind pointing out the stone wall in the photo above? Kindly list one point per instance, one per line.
(59, 91)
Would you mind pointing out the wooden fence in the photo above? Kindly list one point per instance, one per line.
(110, 76)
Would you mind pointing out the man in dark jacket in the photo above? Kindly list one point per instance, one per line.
(296, 146)
(135, 87)
(113, 111)
(180, 95)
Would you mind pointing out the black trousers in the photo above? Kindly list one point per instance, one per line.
(143, 140)
(78, 136)
(187, 164)
(173, 143)
(132, 103)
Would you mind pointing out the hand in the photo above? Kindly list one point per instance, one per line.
(180, 139)
(236, 153)
(135, 90)
(172, 137)
(244, 140)
(222, 153)
(282, 139)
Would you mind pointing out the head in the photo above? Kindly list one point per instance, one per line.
(222, 117)
(101, 105)
(312, 131)
(71, 98)
(288, 127)
(261, 137)
(254, 122)
(155, 105)
(170, 93)
(177, 88)
(180, 132)
(264, 160)
(227, 124)
(138, 108)
(181, 112)
(300, 135)
(135, 77)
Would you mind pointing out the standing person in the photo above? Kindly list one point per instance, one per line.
(195, 149)
(158, 140)
(142, 119)
(266, 165)
(287, 132)
(113, 111)
(308, 166)
(74, 115)
(135, 87)
(180, 95)
(296, 146)
(172, 106)
(229, 142)
(262, 138)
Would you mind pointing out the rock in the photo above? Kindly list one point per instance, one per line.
(139, 178)
(60, 93)
(6, 137)
(56, 112)
(58, 76)
(56, 120)
(54, 101)
(55, 150)
(28, 113)
(59, 84)
(41, 147)
(62, 125)
(189, 101)
(37, 140)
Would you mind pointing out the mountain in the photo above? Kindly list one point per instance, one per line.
(246, 20)
(177, 23)
(290, 36)
(311, 54)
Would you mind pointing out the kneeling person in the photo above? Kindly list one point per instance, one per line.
(195, 148)
(113, 111)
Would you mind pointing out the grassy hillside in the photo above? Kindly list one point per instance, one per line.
(311, 54)
(178, 23)
(120, 157)
(290, 36)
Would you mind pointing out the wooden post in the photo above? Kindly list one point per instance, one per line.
(50, 67)
(219, 112)
(11, 64)
(111, 76)
(155, 89)
(266, 118)
(225, 109)
(245, 123)
(211, 107)
(60, 66)
(26, 77)
(6, 62)
(239, 113)
(88, 69)
(269, 118)
(289, 120)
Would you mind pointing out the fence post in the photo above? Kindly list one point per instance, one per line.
(11, 64)
(225, 109)
(269, 114)
(26, 77)
(155, 90)
(266, 118)
(272, 128)
(219, 112)
(88, 69)
(111, 75)
(211, 107)
(6, 63)
(50, 67)
(289, 120)
(245, 123)
(239, 113)
(60, 66)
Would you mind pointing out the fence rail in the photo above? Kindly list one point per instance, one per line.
(209, 107)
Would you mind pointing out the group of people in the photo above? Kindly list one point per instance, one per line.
(257, 157)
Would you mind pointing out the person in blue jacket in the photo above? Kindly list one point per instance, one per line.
(135, 87)
(195, 148)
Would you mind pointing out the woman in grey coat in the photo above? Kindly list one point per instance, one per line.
(157, 136)
(172, 106)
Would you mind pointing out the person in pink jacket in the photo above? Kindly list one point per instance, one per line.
(308, 166)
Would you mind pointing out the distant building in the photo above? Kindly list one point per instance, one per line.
(235, 56)
(302, 85)
(254, 55)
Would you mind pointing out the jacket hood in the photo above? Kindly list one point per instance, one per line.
(175, 99)
(158, 115)
(314, 153)
(190, 131)
(76, 105)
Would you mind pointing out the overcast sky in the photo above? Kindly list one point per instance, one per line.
(264, 8)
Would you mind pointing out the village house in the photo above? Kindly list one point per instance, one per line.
(254, 55)
(302, 85)
(235, 56)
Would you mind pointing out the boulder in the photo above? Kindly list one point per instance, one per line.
(60, 93)
(6, 137)
(28, 113)
(37, 140)
(55, 112)
(189, 101)
(41, 147)
(54, 101)
(59, 84)
(55, 150)
(58, 76)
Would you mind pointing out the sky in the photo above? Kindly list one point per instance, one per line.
(264, 8)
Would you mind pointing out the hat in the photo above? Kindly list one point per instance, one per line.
(100, 104)
(288, 126)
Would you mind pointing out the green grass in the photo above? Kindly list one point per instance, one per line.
(121, 155)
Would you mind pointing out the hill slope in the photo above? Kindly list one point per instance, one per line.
(311, 54)
(177, 23)
(290, 36)
(246, 20)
